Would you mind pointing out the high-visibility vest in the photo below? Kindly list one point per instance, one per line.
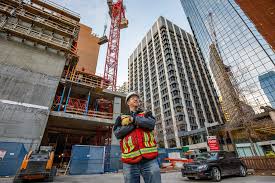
(138, 144)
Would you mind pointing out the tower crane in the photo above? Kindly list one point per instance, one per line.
(118, 22)
(212, 31)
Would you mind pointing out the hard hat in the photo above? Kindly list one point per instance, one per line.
(129, 95)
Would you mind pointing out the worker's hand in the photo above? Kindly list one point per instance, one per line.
(126, 120)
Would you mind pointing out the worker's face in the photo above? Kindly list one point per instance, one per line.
(133, 101)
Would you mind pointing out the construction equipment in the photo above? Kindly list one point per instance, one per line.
(118, 22)
(104, 38)
(37, 166)
(212, 32)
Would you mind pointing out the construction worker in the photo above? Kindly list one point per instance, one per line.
(137, 143)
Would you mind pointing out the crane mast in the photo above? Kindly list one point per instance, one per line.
(118, 22)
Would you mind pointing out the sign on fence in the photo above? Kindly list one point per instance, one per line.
(213, 143)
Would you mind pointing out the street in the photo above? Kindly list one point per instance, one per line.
(174, 177)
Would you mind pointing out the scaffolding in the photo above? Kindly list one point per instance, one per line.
(87, 79)
(40, 23)
(46, 23)
(57, 8)
(68, 104)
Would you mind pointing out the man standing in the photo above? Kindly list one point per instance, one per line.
(137, 143)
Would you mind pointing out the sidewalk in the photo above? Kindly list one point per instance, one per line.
(174, 177)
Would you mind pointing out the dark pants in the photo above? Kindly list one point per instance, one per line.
(148, 169)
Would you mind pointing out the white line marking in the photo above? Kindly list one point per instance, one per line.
(23, 104)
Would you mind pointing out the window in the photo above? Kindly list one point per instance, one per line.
(177, 101)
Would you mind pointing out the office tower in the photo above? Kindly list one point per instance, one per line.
(268, 88)
(168, 71)
(241, 47)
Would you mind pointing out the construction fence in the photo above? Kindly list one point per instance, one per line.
(94, 159)
(260, 163)
(87, 159)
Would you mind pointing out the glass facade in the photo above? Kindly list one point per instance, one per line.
(268, 85)
(241, 46)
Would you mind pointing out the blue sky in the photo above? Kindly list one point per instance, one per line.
(141, 15)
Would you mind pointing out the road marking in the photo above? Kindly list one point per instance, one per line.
(23, 104)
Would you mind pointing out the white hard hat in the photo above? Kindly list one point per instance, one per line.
(129, 95)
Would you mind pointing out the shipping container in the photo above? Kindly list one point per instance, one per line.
(87, 160)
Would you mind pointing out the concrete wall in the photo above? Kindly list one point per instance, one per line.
(28, 80)
(117, 111)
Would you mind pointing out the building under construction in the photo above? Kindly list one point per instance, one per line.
(49, 92)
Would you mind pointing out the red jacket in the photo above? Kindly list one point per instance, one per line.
(137, 139)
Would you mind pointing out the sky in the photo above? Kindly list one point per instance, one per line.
(141, 15)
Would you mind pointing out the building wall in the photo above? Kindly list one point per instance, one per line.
(262, 14)
(169, 73)
(241, 46)
(28, 80)
(88, 50)
(123, 88)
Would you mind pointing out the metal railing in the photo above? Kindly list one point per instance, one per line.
(5, 8)
(28, 31)
(64, 19)
(17, 2)
(79, 107)
(38, 19)
(259, 163)
(87, 79)
(62, 8)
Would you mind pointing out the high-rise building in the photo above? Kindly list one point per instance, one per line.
(262, 14)
(268, 88)
(123, 88)
(241, 47)
(168, 71)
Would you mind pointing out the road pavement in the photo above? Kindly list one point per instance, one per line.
(174, 177)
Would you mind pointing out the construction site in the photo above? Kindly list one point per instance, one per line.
(57, 113)
(50, 93)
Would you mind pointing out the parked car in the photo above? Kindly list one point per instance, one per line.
(214, 165)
